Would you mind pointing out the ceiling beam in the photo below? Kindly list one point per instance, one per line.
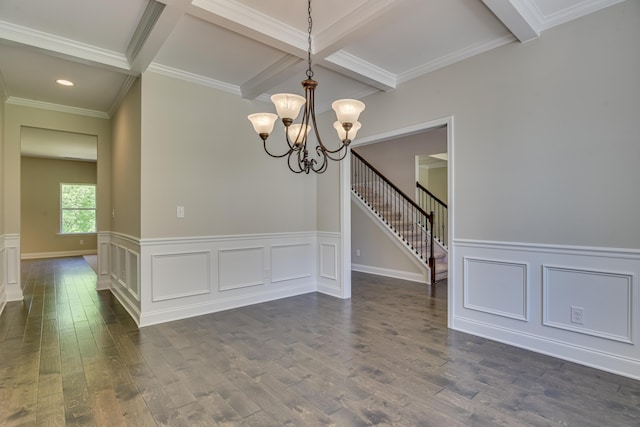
(518, 16)
(272, 76)
(327, 45)
(251, 23)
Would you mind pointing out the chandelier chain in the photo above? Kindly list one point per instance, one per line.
(310, 20)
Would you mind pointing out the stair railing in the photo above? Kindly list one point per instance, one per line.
(395, 208)
(431, 203)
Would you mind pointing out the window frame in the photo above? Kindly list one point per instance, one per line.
(61, 232)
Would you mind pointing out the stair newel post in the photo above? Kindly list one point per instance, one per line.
(432, 259)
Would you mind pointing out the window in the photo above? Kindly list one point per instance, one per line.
(77, 208)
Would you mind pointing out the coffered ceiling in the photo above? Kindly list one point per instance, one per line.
(252, 48)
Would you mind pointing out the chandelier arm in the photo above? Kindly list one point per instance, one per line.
(340, 156)
(323, 166)
(263, 123)
(343, 146)
(277, 156)
(299, 170)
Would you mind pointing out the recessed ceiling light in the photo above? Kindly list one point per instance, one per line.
(64, 82)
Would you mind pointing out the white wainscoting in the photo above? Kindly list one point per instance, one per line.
(119, 270)
(485, 279)
(3, 279)
(524, 294)
(185, 277)
(329, 262)
(160, 280)
(11, 267)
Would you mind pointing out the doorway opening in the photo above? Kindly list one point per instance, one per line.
(445, 125)
(58, 188)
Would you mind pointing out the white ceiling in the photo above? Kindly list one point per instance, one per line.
(250, 47)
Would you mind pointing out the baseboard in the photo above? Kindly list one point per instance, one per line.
(602, 360)
(58, 254)
(185, 311)
(387, 272)
(523, 294)
(133, 311)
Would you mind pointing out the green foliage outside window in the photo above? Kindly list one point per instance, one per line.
(77, 208)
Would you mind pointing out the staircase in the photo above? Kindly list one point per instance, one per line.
(403, 218)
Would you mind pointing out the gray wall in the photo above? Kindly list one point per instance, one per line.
(546, 133)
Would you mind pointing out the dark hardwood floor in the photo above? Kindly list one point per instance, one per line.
(72, 356)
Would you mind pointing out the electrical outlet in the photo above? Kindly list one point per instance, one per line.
(577, 315)
(180, 212)
(357, 252)
(81, 242)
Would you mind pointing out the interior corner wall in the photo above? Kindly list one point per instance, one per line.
(544, 173)
(126, 164)
(3, 262)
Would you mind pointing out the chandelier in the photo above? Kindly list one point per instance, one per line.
(297, 134)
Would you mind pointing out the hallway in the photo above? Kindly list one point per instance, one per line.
(72, 356)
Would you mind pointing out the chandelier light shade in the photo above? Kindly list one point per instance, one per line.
(288, 107)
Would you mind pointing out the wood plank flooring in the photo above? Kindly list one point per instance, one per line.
(72, 356)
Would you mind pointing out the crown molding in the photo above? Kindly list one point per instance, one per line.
(193, 78)
(122, 92)
(457, 56)
(66, 47)
(565, 15)
(57, 107)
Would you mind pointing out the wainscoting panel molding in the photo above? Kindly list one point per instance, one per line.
(133, 274)
(294, 261)
(329, 262)
(241, 268)
(185, 277)
(119, 270)
(11, 273)
(601, 314)
(496, 287)
(180, 275)
(104, 272)
(3, 278)
(575, 303)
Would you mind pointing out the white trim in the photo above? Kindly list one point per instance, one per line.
(155, 316)
(524, 315)
(58, 254)
(628, 338)
(61, 45)
(596, 251)
(602, 345)
(175, 73)
(454, 57)
(57, 107)
(160, 241)
(388, 272)
(601, 360)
